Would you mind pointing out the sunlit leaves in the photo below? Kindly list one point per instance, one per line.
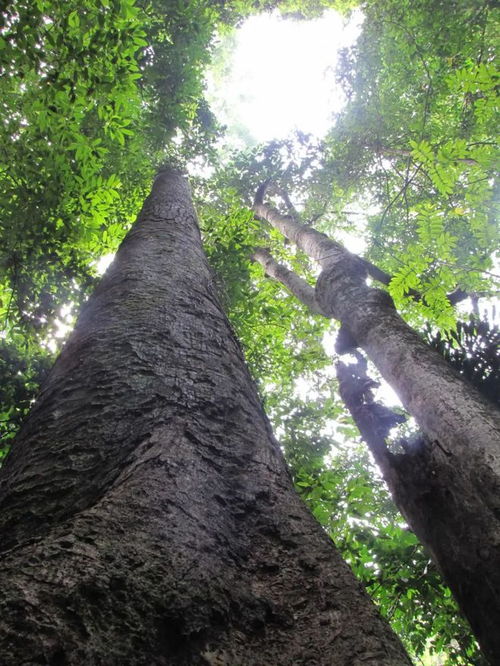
(90, 93)
(417, 141)
(69, 95)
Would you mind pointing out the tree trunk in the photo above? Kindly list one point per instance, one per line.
(448, 488)
(146, 514)
(443, 507)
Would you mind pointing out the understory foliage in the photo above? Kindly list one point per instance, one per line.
(95, 94)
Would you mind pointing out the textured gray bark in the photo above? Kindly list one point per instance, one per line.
(449, 487)
(146, 514)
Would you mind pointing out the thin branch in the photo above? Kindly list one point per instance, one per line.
(400, 193)
(293, 282)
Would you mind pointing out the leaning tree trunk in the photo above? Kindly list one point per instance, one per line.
(448, 487)
(146, 514)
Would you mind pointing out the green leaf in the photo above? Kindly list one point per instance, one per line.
(73, 19)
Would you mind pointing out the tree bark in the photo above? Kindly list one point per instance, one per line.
(301, 289)
(449, 488)
(146, 513)
(438, 501)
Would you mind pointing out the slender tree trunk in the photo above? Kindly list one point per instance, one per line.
(293, 282)
(449, 487)
(147, 516)
(444, 406)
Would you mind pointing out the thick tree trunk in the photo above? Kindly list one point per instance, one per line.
(443, 507)
(146, 514)
(449, 488)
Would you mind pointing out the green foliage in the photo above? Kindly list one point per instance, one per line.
(69, 96)
(417, 141)
(21, 371)
(303, 425)
(294, 9)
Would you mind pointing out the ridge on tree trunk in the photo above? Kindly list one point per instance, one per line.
(146, 513)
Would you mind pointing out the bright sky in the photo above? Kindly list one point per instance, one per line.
(283, 75)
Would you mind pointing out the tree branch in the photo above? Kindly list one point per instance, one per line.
(321, 248)
(314, 243)
(293, 282)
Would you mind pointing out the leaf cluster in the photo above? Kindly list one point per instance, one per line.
(416, 141)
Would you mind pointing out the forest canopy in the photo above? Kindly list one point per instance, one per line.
(96, 95)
